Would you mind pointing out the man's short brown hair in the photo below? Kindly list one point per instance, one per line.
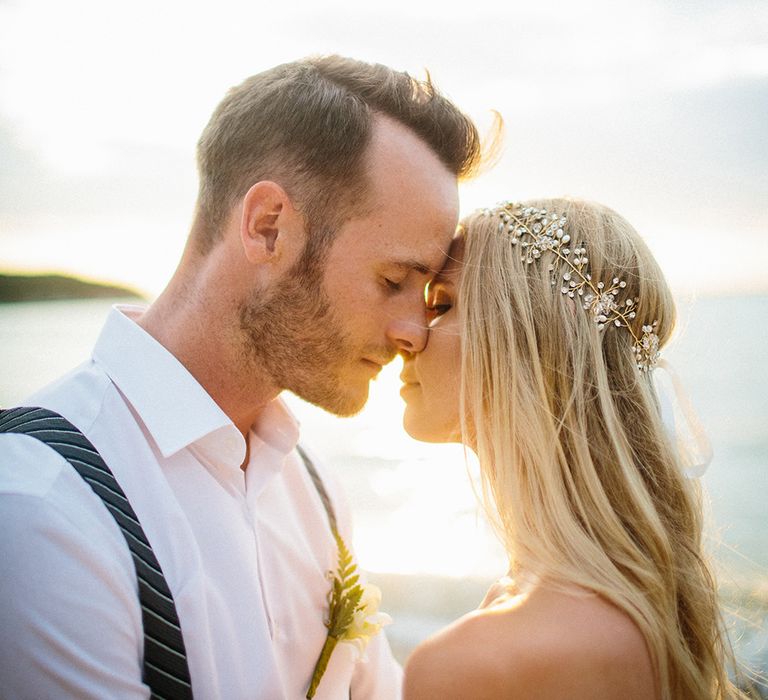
(306, 125)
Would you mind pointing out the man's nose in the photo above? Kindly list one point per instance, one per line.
(409, 334)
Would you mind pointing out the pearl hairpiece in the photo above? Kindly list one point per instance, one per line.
(537, 231)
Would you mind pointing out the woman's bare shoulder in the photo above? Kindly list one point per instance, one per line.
(545, 644)
(456, 663)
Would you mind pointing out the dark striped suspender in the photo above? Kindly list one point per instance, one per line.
(165, 660)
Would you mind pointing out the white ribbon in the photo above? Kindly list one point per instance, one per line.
(683, 426)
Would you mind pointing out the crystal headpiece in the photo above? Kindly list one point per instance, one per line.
(537, 231)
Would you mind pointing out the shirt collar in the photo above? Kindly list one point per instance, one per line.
(273, 436)
(174, 408)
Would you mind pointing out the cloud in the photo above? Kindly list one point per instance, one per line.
(655, 108)
(125, 178)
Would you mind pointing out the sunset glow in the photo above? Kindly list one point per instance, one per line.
(654, 108)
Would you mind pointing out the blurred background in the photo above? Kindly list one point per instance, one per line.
(658, 109)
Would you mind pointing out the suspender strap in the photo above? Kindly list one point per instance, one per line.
(318, 482)
(165, 662)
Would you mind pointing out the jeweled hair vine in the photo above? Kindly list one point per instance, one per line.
(537, 232)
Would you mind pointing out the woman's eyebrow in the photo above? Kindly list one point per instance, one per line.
(439, 281)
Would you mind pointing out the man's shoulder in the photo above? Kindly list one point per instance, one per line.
(27, 465)
(77, 395)
(39, 484)
(39, 488)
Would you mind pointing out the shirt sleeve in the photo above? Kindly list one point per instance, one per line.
(70, 620)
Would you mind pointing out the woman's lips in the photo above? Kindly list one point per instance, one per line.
(408, 386)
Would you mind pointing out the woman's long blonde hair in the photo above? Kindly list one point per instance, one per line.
(583, 481)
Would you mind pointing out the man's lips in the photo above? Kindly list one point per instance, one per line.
(379, 361)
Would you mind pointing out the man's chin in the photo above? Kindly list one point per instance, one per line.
(346, 406)
(340, 403)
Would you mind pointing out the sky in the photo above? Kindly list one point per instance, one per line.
(658, 109)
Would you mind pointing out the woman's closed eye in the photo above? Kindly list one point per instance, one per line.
(438, 304)
(438, 309)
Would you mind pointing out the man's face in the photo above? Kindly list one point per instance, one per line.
(330, 330)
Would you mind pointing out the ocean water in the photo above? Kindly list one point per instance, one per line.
(418, 528)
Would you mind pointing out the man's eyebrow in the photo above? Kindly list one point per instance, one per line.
(415, 265)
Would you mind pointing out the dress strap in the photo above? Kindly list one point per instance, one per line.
(165, 662)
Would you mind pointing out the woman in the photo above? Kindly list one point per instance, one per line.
(545, 330)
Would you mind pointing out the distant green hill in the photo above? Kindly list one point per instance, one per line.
(51, 287)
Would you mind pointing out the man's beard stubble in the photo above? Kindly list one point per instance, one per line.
(296, 338)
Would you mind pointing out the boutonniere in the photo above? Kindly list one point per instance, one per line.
(353, 612)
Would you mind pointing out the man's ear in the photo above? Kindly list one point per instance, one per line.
(267, 224)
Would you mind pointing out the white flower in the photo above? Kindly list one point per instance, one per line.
(367, 621)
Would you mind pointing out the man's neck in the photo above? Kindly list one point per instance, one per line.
(198, 329)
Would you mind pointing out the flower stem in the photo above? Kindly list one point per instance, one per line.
(322, 664)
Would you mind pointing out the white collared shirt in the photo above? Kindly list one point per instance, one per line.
(245, 553)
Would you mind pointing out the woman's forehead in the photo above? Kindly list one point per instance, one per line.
(456, 251)
(454, 260)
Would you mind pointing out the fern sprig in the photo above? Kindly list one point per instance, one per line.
(343, 602)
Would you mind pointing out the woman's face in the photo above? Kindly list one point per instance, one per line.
(432, 378)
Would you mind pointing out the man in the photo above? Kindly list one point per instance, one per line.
(327, 197)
